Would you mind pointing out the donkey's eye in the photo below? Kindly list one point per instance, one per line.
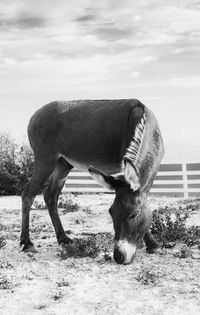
(132, 216)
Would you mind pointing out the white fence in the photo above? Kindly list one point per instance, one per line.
(178, 179)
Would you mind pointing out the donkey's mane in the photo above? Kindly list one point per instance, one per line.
(132, 154)
(133, 151)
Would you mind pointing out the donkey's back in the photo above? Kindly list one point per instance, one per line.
(89, 132)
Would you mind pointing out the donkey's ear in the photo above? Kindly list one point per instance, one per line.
(131, 175)
(107, 181)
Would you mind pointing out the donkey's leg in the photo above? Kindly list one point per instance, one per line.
(51, 195)
(151, 245)
(40, 174)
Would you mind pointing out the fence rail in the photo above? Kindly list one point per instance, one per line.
(179, 179)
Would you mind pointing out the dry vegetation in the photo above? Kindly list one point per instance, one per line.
(82, 278)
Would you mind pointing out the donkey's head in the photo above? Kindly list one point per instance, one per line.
(130, 214)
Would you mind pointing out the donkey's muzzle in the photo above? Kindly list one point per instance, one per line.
(124, 252)
(118, 256)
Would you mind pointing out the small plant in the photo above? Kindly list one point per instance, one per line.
(57, 296)
(2, 242)
(68, 204)
(6, 265)
(39, 205)
(41, 227)
(63, 283)
(89, 247)
(40, 307)
(65, 202)
(80, 248)
(80, 221)
(184, 252)
(193, 236)
(103, 240)
(3, 227)
(148, 276)
(5, 283)
(191, 204)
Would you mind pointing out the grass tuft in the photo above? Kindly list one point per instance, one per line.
(2, 242)
(5, 283)
(57, 296)
(184, 252)
(149, 276)
(65, 202)
(87, 247)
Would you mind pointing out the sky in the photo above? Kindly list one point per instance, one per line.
(89, 49)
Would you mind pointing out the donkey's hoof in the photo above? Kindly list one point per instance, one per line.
(153, 250)
(28, 248)
(65, 240)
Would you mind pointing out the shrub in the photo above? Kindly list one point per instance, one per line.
(25, 161)
(167, 228)
(169, 225)
(16, 165)
(8, 168)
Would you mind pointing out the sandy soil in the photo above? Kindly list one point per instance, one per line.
(43, 283)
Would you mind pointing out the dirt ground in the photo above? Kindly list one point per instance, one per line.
(44, 283)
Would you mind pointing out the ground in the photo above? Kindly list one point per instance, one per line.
(48, 283)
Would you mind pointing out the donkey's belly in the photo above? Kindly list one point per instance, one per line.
(108, 168)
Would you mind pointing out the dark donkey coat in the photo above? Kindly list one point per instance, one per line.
(112, 136)
(97, 133)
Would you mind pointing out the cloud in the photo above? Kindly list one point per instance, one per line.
(85, 28)
(110, 32)
(134, 74)
(156, 37)
(86, 18)
(123, 38)
(186, 82)
(27, 21)
(23, 22)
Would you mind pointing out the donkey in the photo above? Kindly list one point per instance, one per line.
(118, 142)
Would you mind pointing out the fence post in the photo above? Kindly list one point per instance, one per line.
(185, 181)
